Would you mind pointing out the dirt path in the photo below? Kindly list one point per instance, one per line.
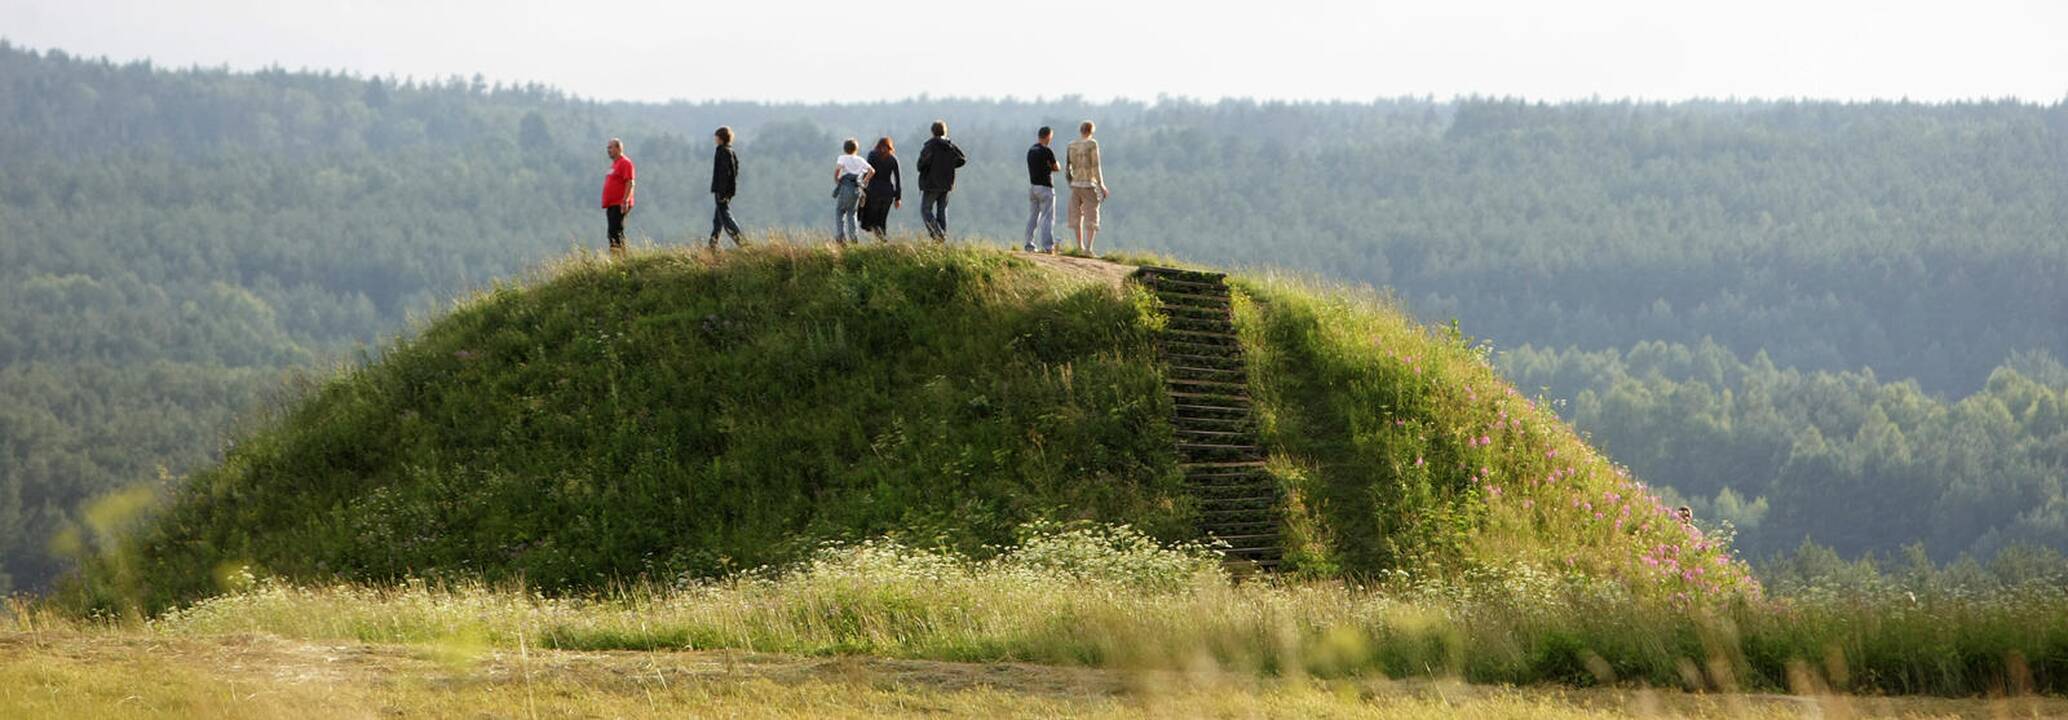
(1088, 269)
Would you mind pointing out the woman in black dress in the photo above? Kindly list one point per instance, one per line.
(886, 190)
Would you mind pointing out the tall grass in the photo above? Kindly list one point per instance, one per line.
(1403, 448)
(1114, 598)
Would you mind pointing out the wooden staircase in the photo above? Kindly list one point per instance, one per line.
(1217, 440)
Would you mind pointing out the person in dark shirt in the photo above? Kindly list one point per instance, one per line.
(886, 189)
(725, 182)
(937, 163)
(1041, 197)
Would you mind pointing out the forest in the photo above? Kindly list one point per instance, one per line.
(1832, 321)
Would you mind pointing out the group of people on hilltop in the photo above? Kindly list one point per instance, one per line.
(865, 189)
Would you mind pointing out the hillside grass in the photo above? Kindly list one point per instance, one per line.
(1404, 449)
(682, 414)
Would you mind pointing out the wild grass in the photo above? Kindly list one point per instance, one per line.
(1403, 448)
(242, 677)
(1114, 598)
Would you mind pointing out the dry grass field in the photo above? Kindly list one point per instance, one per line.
(144, 675)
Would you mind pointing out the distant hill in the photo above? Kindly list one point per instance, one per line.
(680, 413)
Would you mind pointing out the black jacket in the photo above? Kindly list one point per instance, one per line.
(725, 172)
(886, 183)
(937, 163)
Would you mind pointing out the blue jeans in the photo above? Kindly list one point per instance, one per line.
(1041, 212)
(933, 209)
(721, 219)
(846, 227)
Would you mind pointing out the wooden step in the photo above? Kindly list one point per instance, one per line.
(1180, 273)
(1248, 541)
(1212, 447)
(1197, 337)
(1225, 464)
(1209, 434)
(1211, 345)
(1226, 355)
(1247, 504)
(1232, 477)
(1204, 287)
(1195, 311)
(1193, 299)
(1206, 372)
(1197, 453)
(1241, 389)
(1229, 476)
(1211, 399)
(1240, 512)
(1210, 325)
(1209, 422)
(1225, 528)
(1207, 491)
(1219, 415)
(1204, 417)
(1264, 492)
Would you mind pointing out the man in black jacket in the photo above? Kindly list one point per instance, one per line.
(725, 180)
(937, 163)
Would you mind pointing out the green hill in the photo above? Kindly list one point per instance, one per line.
(680, 413)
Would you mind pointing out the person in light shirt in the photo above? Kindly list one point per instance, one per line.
(1087, 187)
(850, 173)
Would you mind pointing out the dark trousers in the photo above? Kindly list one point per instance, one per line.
(876, 214)
(615, 217)
(721, 219)
(933, 209)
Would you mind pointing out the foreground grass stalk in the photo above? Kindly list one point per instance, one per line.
(1109, 598)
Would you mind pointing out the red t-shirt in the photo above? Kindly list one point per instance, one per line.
(614, 182)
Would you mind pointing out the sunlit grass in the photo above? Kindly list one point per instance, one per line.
(1112, 598)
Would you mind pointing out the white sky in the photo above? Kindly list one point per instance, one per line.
(1279, 49)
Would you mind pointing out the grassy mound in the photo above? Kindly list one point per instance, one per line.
(678, 413)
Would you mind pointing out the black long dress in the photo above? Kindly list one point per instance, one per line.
(885, 189)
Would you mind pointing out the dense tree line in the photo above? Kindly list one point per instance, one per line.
(1842, 459)
(172, 239)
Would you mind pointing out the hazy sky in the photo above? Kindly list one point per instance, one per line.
(1285, 49)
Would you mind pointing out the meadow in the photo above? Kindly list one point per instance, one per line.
(1116, 601)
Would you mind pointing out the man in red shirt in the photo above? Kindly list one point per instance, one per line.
(617, 194)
